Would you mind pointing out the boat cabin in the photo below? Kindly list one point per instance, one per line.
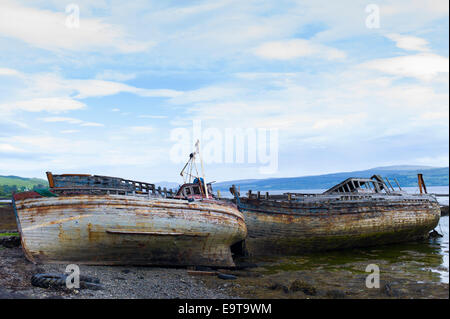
(375, 184)
(194, 190)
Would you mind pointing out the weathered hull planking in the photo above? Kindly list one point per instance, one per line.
(119, 230)
(293, 227)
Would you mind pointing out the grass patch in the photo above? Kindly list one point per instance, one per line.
(8, 234)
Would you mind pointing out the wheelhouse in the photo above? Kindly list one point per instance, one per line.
(375, 184)
(194, 190)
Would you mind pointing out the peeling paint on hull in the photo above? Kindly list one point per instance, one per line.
(284, 227)
(120, 230)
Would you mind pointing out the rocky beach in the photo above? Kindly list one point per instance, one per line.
(406, 272)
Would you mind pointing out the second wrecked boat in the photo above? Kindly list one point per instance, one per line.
(355, 213)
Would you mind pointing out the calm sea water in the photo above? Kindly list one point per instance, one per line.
(429, 256)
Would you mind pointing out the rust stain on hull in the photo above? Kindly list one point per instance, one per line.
(119, 230)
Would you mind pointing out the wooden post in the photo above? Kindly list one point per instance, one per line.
(218, 194)
(51, 183)
(421, 184)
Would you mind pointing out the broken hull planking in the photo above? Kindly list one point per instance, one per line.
(119, 230)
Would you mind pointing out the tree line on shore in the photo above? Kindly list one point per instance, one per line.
(8, 190)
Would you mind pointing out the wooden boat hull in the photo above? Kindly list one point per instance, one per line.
(120, 230)
(285, 227)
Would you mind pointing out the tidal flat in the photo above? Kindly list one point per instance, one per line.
(410, 270)
(416, 270)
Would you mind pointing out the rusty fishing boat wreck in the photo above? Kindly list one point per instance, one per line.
(355, 213)
(90, 219)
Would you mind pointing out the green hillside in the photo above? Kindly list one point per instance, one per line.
(10, 184)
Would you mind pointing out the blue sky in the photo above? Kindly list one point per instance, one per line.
(104, 97)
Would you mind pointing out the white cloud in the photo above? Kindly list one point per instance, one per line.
(77, 154)
(152, 116)
(354, 105)
(9, 72)
(8, 148)
(347, 18)
(51, 105)
(319, 107)
(91, 124)
(338, 121)
(50, 92)
(142, 129)
(115, 76)
(51, 83)
(154, 92)
(12, 121)
(47, 29)
(436, 7)
(423, 66)
(437, 161)
(409, 42)
(70, 120)
(297, 48)
(205, 94)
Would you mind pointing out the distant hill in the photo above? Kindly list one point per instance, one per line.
(403, 167)
(11, 183)
(168, 185)
(405, 175)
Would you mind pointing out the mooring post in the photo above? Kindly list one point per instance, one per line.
(421, 184)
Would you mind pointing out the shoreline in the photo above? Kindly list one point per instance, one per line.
(282, 278)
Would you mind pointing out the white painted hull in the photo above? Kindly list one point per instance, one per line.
(119, 229)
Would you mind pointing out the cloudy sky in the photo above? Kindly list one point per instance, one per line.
(345, 88)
